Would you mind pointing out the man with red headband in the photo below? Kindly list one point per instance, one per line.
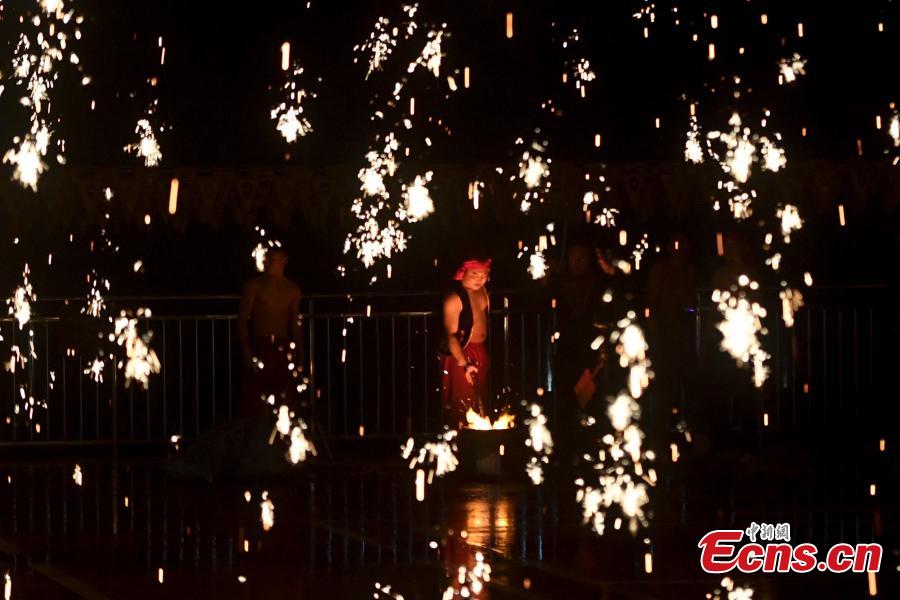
(465, 362)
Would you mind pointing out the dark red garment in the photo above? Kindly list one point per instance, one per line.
(457, 394)
(275, 378)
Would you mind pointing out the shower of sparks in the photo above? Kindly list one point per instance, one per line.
(383, 39)
(267, 512)
(741, 149)
(791, 302)
(742, 321)
(437, 458)
(27, 159)
(147, 146)
(607, 217)
(790, 221)
(21, 299)
(142, 361)
(95, 305)
(791, 68)
(622, 478)
(95, 371)
(577, 69)
(540, 441)
(431, 54)
(300, 445)
(693, 150)
(288, 114)
(469, 583)
(730, 591)
(76, 475)
(533, 170)
(36, 55)
(417, 202)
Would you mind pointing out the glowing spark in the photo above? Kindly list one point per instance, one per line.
(417, 200)
(383, 39)
(76, 475)
(791, 302)
(173, 196)
(20, 302)
(431, 55)
(532, 170)
(27, 161)
(437, 458)
(147, 146)
(894, 129)
(288, 114)
(729, 591)
(742, 321)
(791, 68)
(7, 587)
(301, 446)
(540, 441)
(537, 265)
(790, 221)
(267, 512)
(283, 423)
(142, 360)
(773, 157)
(95, 371)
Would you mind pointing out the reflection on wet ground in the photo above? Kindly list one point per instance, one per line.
(340, 528)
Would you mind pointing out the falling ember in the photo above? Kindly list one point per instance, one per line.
(509, 25)
(267, 512)
(791, 302)
(76, 475)
(873, 584)
(160, 575)
(841, 218)
(881, 445)
(173, 196)
(872, 490)
(675, 453)
(285, 56)
(712, 52)
(420, 485)
(648, 563)
(7, 587)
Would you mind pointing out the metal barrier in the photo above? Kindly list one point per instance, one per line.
(375, 373)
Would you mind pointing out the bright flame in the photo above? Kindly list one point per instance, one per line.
(477, 422)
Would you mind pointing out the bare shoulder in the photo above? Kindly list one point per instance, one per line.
(452, 303)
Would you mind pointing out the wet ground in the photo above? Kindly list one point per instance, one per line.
(342, 526)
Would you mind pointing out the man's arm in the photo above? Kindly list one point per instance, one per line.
(452, 310)
(297, 328)
(248, 297)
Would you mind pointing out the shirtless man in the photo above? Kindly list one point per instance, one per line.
(269, 331)
(465, 363)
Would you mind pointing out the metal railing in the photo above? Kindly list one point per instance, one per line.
(375, 374)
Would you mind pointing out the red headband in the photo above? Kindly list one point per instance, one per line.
(472, 264)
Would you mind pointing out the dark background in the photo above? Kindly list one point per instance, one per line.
(214, 93)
